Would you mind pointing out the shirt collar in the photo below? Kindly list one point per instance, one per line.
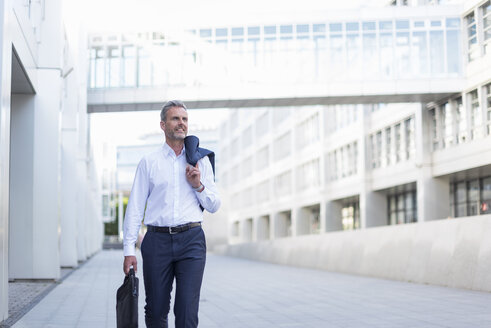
(168, 151)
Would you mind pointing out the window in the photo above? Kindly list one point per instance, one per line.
(397, 131)
(319, 28)
(471, 197)
(253, 30)
(460, 199)
(402, 208)
(434, 129)
(485, 207)
(437, 59)
(270, 30)
(476, 118)
(282, 146)
(247, 138)
(461, 118)
(419, 53)
(343, 162)
(205, 33)
(350, 215)
(472, 47)
(283, 183)
(262, 125)
(386, 54)
(144, 67)
(369, 26)
(453, 46)
(237, 31)
(221, 32)
(105, 206)
(262, 192)
(487, 90)
(113, 66)
(303, 28)
(486, 25)
(246, 171)
(308, 175)
(99, 67)
(286, 29)
(308, 131)
(378, 149)
(448, 123)
(388, 146)
(262, 158)
(129, 66)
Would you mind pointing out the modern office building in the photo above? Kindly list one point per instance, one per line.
(49, 192)
(353, 136)
(303, 170)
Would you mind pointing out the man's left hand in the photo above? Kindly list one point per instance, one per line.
(193, 176)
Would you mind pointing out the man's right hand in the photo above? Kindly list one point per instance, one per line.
(128, 262)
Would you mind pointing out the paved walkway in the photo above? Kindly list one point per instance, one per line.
(240, 293)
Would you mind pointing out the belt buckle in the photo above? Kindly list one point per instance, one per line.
(172, 232)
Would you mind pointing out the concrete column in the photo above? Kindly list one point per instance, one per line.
(246, 231)
(333, 216)
(69, 192)
(301, 221)
(272, 225)
(296, 218)
(84, 193)
(69, 178)
(373, 209)
(263, 227)
(433, 194)
(323, 216)
(433, 197)
(35, 176)
(373, 205)
(5, 98)
(282, 224)
(82, 210)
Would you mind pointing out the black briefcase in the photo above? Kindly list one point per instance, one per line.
(127, 302)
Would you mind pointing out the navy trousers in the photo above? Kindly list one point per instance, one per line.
(167, 256)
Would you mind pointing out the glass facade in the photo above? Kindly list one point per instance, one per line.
(470, 197)
(487, 90)
(472, 45)
(478, 31)
(350, 215)
(402, 208)
(313, 52)
(342, 162)
(486, 26)
(394, 144)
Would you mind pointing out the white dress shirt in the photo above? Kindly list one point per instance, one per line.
(160, 184)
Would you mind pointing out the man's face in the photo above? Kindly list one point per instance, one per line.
(175, 126)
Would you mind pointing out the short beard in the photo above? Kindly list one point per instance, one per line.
(176, 136)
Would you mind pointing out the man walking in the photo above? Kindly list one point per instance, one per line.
(167, 192)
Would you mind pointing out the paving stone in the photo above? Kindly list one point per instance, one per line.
(240, 293)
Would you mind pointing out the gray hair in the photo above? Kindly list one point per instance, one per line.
(168, 105)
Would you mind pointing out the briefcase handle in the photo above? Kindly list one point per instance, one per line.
(131, 276)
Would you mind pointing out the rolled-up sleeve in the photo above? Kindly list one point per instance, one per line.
(136, 208)
(209, 197)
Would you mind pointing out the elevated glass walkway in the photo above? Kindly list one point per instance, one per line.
(385, 56)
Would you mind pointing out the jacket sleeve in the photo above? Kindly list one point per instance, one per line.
(209, 197)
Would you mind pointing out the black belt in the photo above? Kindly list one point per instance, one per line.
(174, 230)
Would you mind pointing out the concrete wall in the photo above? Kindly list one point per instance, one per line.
(5, 98)
(451, 252)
